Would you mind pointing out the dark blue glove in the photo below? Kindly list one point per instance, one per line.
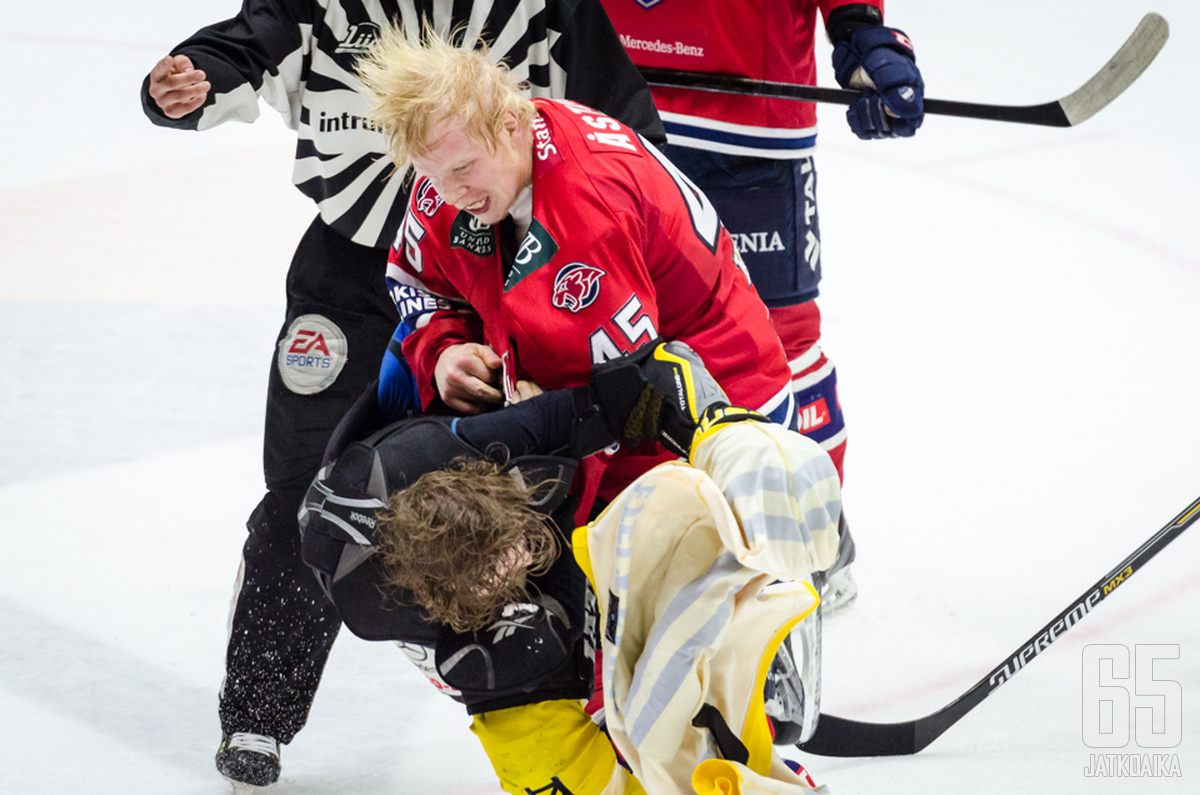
(398, 397)
(880, 61)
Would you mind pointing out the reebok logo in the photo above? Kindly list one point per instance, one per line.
(363, 519)
(507, 627)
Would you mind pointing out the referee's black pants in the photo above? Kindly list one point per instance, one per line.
(282, 626)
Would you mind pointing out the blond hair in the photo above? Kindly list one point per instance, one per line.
(409, 88)
(463, 540)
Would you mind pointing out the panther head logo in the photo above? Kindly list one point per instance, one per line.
(576, 287)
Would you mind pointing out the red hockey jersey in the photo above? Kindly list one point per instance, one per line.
(759, 39)
(622, 248)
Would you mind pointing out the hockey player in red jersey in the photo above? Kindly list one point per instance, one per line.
(554, 239)
(753, 156)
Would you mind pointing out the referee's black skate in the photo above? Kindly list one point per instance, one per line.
(246, 758)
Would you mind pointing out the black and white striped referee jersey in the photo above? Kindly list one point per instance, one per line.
(298, 56)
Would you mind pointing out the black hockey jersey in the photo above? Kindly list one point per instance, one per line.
(298, 56)
(536, 651)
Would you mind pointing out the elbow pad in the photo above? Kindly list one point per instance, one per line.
(532, 653)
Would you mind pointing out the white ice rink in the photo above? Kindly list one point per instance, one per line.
(1013, 312)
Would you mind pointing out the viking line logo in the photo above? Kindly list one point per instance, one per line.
(576, 287)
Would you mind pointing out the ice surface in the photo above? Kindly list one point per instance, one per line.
(1012, 311)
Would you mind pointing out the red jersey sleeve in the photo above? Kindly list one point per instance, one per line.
(428, 303)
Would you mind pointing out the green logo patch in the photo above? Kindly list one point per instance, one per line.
(470, 234)
(537, 249)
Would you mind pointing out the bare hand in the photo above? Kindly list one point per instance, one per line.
(526, 390)
(467, 375)
(178, 87)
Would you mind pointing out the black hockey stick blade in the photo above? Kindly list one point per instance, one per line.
(1080, 105)
(843, 737)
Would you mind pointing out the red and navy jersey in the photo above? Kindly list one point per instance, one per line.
(622, 248)
(759, 39)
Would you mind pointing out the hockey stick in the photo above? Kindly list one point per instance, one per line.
(1080, 105)
(842, 737)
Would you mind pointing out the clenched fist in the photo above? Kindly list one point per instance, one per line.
(177, 86)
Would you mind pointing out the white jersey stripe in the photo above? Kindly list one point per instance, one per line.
(813, 378)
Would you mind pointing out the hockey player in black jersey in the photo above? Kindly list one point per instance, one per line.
(298, 56)
(452, 537)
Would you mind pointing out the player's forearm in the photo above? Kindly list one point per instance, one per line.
(425, 345)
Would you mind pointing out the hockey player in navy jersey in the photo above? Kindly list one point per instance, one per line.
(298, 56)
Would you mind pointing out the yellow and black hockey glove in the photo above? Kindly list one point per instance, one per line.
(662, 392)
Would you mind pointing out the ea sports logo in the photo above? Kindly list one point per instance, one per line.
(308, 340)
(576, 287)
(311, 354)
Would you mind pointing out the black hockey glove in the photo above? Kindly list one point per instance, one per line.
(660, 392)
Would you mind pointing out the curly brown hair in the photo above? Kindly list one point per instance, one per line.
(463, 539)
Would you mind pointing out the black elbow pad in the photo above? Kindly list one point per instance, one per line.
(844, 20)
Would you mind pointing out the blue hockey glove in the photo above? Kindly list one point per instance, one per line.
(398, 396)
(880, 62)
